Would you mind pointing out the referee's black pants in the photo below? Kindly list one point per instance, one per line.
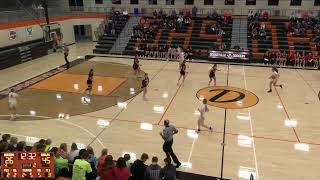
(66, 60)
(167, 148)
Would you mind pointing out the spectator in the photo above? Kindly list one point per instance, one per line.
(122, 171)
(5, 138)
(93, 162)
(4, 146)
(59, 161)
(63, 150)
(92, 157)
(108, 171)
(102, 158)
(263, 35)
(138, 168)
(13, 144)
(74, 152)
(127, 159)
(81, 167)
(194, 11)
(21, 146)
(64, 174)
(47, 145)
(168, 172)
(153, 171)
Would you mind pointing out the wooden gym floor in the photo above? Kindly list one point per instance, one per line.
(277, 138)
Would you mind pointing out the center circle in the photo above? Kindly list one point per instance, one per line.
(228, 97)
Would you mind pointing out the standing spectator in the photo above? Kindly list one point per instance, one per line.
(102, 158)
(13, 144)
(21, 146)
(108, 171)
(194, 11)
(127, 159)
(81, 167)
(63, 150)
(66, 54)
(153, 171)
(93, 162)
(59, 161)
(122, 171)
(138, 168)
(168, 172)
(5, 138)
(167, 136)
(74, 152)
(47, 145)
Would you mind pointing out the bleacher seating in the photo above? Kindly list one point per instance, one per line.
(279, 40)
(194, 35)
(106, 42)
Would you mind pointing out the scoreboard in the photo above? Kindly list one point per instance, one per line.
(27, 165)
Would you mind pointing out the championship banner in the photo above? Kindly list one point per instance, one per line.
(240, 55)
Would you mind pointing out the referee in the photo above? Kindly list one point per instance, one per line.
(167, 136)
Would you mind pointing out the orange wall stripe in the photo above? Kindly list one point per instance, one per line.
(11, 25)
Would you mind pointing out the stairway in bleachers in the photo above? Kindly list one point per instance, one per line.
(124, 37)
(106, 42)
(239, 32)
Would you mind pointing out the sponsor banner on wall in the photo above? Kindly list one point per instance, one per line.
(29, 31)
(241, 55)
(12, 34)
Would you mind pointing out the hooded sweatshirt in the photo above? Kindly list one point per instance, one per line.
(168, 172)
(152, 172)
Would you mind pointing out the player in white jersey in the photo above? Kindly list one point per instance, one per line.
(203, 109)
(274, 79)
(12, 99)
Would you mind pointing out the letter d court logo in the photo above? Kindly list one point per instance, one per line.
(228, 97)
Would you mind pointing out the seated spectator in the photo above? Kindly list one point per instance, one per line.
(254, 33)
(308, 60)
(153, 170)
(262, 26)
(263, 35)
(265, 16)
(138, 168)
(81, 167)
(74, 152)
(13, 144)
(108, 171)
(122, 171)
(266, 57)
(168, 172)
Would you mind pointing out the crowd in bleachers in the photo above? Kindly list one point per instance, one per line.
(293, 58)
(256, 27)
(83, 164)
(221, 21)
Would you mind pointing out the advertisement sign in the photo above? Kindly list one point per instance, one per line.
(12, 35)
(29, 31)
(240, 55)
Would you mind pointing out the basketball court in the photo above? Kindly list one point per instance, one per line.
(269, 135)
